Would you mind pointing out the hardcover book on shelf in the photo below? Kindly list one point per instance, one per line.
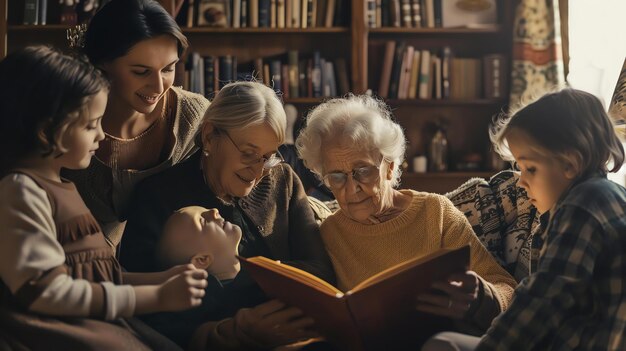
(213, 13)
(385, 76)
(373, 315)
(468, 13)
(494, 81)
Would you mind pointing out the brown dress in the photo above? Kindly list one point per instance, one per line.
(87, 257)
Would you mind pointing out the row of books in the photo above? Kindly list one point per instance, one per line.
(288, 74)
(264, 13)
(42, 12)
(430, 13)
(412, 73)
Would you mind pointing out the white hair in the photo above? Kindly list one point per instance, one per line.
(359, 120)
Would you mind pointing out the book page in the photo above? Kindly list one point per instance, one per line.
(296, 274)
(393, 270)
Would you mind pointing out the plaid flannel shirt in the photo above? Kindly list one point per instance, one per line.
(576, 298)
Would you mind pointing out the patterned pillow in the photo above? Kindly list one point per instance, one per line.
(502, 217)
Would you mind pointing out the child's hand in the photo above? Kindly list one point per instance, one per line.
(183, 291)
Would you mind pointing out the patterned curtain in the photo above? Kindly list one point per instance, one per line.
(537, 64)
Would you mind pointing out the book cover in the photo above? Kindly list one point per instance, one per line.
(376, 313)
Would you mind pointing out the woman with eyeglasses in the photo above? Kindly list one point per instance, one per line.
(238, 171)
(355, 147)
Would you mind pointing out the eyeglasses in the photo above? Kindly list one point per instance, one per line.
(252, 158)
(363, 175)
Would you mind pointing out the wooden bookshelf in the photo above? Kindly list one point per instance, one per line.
(362, 48)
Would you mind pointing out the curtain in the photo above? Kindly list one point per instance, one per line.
(537, 64)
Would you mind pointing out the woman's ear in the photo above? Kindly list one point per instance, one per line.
(206, 133)
(202, 261)
(390, 170)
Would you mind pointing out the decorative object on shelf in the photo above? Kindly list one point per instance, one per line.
(213, 13)
(420, 163)
(438, 151)
(76, 36)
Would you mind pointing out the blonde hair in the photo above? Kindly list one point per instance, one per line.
(363, 121)
(561, 123)
(243, 104)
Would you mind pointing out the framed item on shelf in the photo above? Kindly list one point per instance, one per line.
(468, 13)
(213, 13)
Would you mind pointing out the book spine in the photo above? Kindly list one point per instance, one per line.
(445, 72)
(396, 71)
(371, 13)
(395, 13)
(304, 6)
(416, 13)
(280, 13)
(31, 10)
(226, 70)
(264, 13)
(437, 13)
(236, 14)
(385, 18)
(275, 74)
(209, 76)
(294, 76)
(406, 13)
(244, 14)
(316, 74)
(424, 74)
(341, 75)
(273, 19)
(43, 11)
(330, 12)
(493, 68)
(253, 16)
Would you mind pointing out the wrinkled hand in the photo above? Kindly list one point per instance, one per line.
(460, 292)
(272, 324)
(183, 291)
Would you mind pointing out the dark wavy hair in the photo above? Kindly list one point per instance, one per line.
(42, 91)
(120, 24)
(564, 122)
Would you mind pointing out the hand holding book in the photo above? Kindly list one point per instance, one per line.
(459, 293)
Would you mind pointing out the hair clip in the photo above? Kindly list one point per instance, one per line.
(76, 36)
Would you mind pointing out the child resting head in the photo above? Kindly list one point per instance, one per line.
(200, 236)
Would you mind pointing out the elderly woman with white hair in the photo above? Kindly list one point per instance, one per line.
(355, 147)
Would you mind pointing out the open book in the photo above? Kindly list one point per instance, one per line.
(377, 314)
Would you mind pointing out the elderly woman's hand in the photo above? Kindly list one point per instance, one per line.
(455, 297)
(272, 324)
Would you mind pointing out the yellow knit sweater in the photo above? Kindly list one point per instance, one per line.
(431, 221)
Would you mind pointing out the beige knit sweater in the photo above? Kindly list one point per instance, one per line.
(431, 221)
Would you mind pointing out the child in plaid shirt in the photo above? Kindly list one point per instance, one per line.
(575, 296)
